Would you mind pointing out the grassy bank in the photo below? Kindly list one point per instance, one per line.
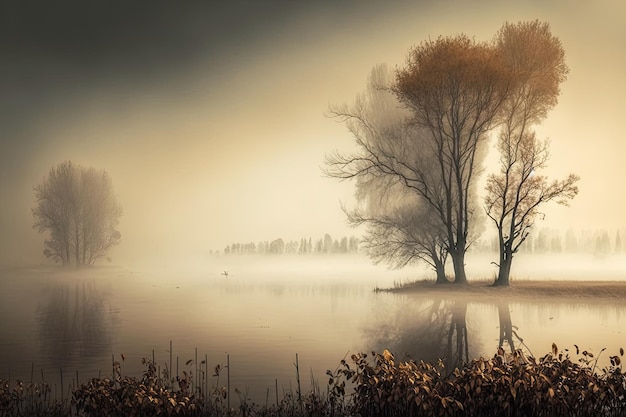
(526, 289)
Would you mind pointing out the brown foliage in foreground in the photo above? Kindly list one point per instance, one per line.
(505, 385)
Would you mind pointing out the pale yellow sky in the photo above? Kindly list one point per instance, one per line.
(230, 148)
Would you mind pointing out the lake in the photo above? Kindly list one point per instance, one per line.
(263, 313)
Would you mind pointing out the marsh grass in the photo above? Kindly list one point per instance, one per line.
(192, 389)
(561, 383)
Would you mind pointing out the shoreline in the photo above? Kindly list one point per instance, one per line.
(562, 290)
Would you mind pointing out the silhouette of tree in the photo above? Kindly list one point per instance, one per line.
(514, 195)
(455, 88)
(78, 209)
(452, 90)
(401, 226)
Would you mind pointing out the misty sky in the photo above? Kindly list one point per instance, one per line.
(209, 116)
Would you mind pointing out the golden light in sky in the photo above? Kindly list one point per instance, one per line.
(211, 119)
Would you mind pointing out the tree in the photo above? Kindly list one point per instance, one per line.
(78, 209)
(403, 236)
(401, 226)
(516, 192)
(328, 243)
(455, 88)
(277, 247)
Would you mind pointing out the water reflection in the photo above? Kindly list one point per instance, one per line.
(457, 346)
(424, 329)
(506, 326)
(430, 329)
(73, 322)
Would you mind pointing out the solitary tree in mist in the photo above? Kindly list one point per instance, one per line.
(402, 226)
(77, 208)
(516, 192)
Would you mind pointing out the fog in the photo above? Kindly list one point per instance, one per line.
(210, 120)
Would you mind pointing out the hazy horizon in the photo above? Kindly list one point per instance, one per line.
(210, 117)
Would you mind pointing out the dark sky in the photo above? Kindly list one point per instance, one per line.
(209, 115)
(58, 50)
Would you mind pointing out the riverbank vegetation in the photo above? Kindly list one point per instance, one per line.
(508, 384)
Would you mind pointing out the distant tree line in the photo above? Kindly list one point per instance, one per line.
(304, 246)
(548, 240)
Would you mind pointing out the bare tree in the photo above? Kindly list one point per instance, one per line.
(515, 194)
(455, 88)
(401, 227)
(404, 235)
(78, 208)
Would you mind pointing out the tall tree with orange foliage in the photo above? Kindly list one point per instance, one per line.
(514, 195)
(455, 89)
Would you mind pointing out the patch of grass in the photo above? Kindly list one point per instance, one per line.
(550, 290)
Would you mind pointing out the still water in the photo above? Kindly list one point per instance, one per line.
(260, 315)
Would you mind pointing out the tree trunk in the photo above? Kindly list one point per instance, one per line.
(440, 269)
(458, 262)
(77, 250)
(504, 271)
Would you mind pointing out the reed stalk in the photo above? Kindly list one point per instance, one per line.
(170, 368)
(276, 387)
(298, 382)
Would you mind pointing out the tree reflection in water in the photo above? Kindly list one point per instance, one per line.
(73, 323)
(424, 329)
(457, 347)
(508, 332)
(431, 329)
(506, 326)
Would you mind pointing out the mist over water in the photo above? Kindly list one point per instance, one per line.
(211, 120)
(264, 312)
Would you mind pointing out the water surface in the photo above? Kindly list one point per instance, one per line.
(263, 313)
